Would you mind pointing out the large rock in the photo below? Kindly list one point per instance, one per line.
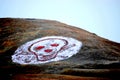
(98, 57)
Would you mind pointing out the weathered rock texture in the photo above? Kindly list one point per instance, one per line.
(98, 57)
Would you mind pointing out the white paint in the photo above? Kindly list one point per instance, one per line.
(46, 49)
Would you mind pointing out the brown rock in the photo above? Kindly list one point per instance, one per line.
(54, 77)
(96, 53)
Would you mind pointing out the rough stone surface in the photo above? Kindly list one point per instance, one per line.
(98, 57)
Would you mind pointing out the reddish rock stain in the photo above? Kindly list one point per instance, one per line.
(48, 50)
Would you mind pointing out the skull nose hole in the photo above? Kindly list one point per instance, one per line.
(48, 50)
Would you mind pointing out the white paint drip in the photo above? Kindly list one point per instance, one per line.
(46, 49)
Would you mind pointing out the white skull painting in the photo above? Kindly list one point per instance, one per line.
(46, 49)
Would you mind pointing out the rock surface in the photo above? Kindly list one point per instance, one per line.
(98, 57)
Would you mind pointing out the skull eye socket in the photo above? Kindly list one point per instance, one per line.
(54, 45)
(39, 47)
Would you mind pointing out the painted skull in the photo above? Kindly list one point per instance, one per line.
(46, 49)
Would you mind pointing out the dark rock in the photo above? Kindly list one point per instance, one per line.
(96, 52)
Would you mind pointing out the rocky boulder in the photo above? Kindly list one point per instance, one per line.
(97, 57)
